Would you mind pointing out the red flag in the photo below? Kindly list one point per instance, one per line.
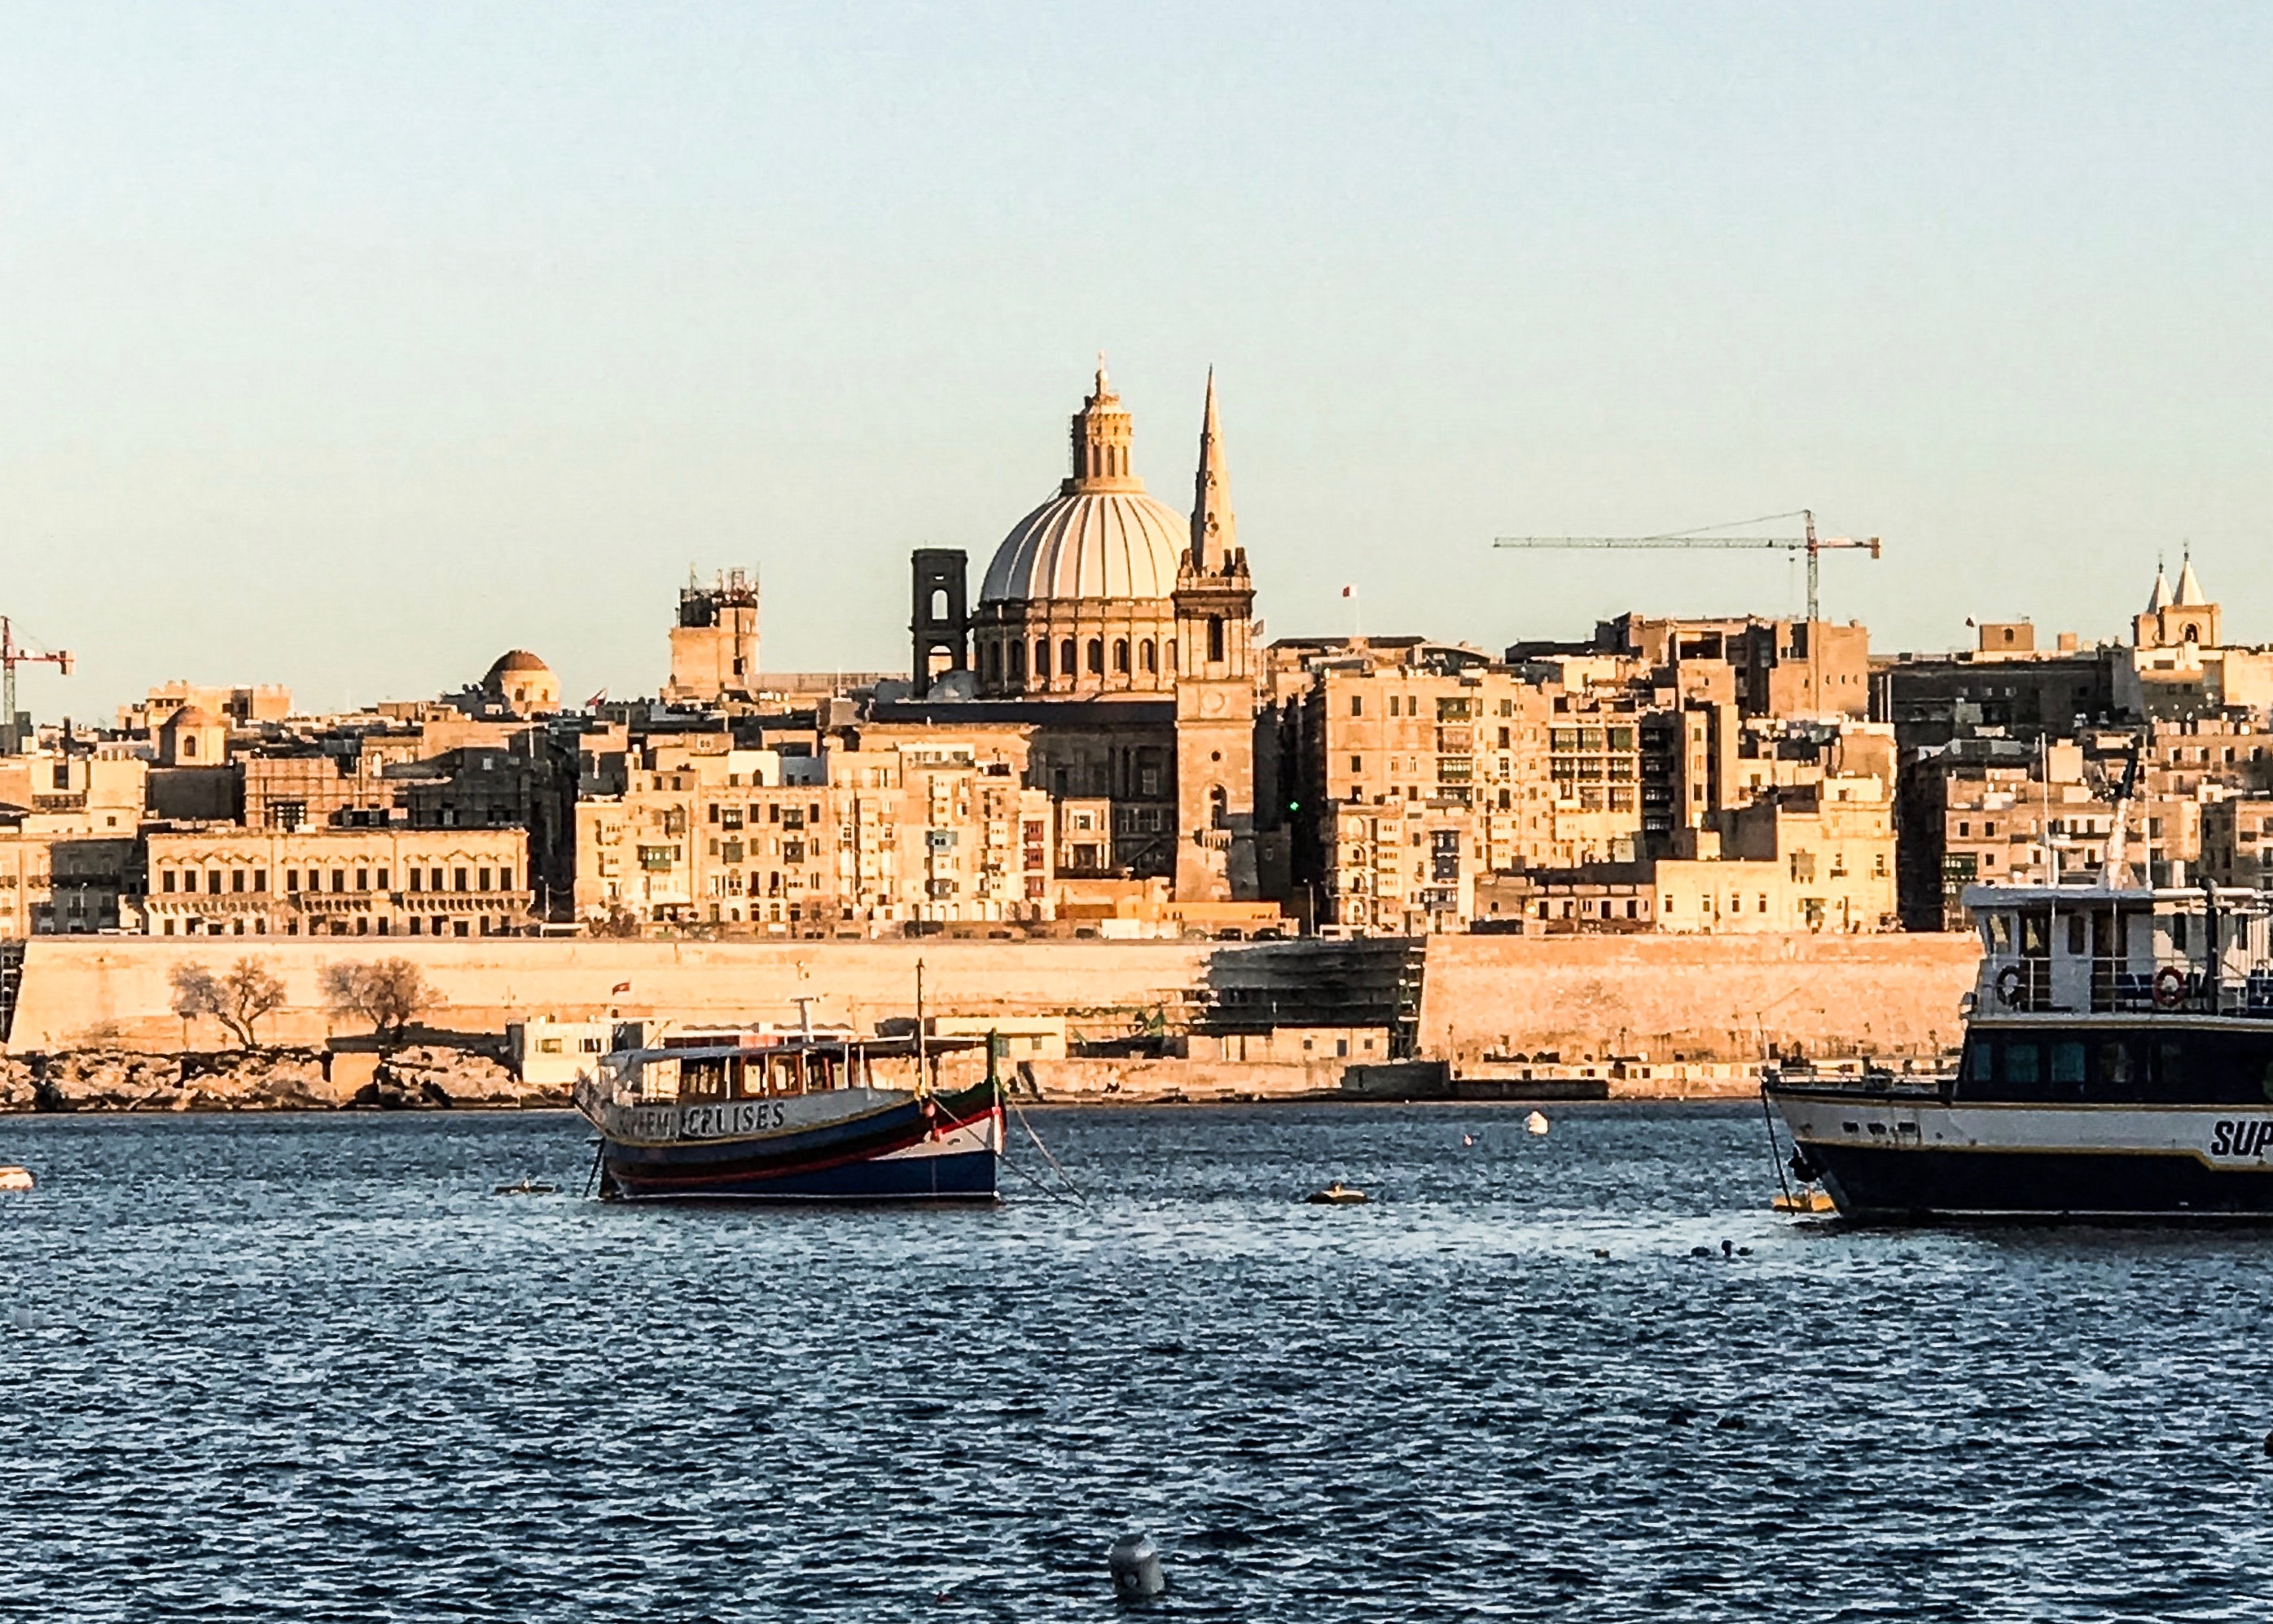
(1349, 591)
(620, 987)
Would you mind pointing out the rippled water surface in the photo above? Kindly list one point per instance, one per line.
(314, 1368)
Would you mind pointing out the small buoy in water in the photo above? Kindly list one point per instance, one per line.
(1467, 1139)
(1700, 1251)
(1728, 1248)
(15, 1178)
(1602, 1252)
(1135, 1564)
(1536, 1123)
(525, 1187)
(1337, 1194)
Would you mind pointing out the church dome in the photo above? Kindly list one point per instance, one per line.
(1091, 544)
(1101, 536)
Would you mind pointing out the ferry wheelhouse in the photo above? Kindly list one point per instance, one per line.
(2117, 1063)
(805, 1116)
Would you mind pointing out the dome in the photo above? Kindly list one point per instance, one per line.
(1089, 544)
(193, 716)
(518, 660)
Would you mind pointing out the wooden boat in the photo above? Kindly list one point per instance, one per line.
(753, 1115)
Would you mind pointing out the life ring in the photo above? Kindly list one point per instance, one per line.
(2170, 988)
(2008, 986)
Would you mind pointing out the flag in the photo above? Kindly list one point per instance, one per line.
(620, 987)
(1349, 591)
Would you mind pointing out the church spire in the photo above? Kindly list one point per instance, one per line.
(1215, 533)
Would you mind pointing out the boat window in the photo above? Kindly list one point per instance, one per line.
(1980, 1061)
(2178, 931)
(703, 1078)
(2116, 1072)
(2036, 933)
(2075, 935)
(2067, 1069)
(2023, 1067)
(2001, 933)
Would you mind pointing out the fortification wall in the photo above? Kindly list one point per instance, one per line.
(1714, 998)
(1701, 998)
(115, 992)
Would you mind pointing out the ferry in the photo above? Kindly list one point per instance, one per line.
(802, 1115)
(2118, 1063)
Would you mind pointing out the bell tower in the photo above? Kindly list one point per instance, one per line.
(1215, 668)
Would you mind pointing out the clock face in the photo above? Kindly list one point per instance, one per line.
(1211, 703)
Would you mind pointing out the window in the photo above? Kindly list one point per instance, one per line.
(1215, 638)
(481, 878)
(338, 879)
(1121, 656)
(458, 878)
(1066, 667)
(260, 879)
(190, 882)
(1018, 661)
(362, 879)
(1148, 656)
(1042, 658)
(382, 879)
(291, 880)
(505, 879)
(166, 883)
(1357, 704)
(1097, 657)
(237, 879)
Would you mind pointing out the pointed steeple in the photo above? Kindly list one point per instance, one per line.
(2190, 592)
(2159, 599)
(1215, 532)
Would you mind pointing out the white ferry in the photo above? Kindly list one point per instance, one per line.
(2118, 1063)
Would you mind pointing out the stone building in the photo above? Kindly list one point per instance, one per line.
(225, 880)
(1120, 634)
(882, 826)
(522, 684)
(714, 646)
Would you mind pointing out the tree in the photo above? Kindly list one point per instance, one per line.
(388, 993)
(238, 1000)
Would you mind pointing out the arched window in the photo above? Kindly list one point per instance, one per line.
(1215, 638)
(1097, 657)
(1017, 662)
(993, 657)
(1120, 655)
(1175, 659)
(1149, 655)
(939, 603)
(1066, 667)
(1042, 659)
(2193, 636)
(1218, 807)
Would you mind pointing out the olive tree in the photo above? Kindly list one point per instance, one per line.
(389, 993)
(238, 999)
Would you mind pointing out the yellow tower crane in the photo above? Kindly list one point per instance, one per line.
(1813, 545)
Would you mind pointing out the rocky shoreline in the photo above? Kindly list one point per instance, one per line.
(413, 1078)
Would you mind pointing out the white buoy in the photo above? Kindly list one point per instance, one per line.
(1135, 1563)
(1536, 1123)
(15, 1178)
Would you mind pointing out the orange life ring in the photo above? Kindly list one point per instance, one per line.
(2170, 988)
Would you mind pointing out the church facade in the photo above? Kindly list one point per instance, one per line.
(1123, 634)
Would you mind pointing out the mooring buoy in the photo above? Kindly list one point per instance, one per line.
(1536, 1123)
(15, 1178)
(1135, 1564)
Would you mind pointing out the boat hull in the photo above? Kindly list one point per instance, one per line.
(1894, 1160)
(883, 1147)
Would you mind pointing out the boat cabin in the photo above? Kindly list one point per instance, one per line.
(706, 1067)
(2071, 949)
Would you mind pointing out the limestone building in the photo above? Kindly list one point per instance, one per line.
(1121, 632)
(230, 880)
(713, 647)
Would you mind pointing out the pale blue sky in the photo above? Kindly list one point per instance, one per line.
(345, 347)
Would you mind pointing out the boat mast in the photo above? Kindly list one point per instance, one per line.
(919, 1027)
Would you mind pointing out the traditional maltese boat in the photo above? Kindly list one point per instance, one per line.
(804, 1116)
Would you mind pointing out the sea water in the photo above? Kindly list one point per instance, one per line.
(314, 1367)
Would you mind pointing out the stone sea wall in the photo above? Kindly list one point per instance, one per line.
(1694, 998)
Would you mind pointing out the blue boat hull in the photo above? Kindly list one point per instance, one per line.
(942, 1148)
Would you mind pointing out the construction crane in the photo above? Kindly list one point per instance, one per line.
(13, 654)
(1811, 544)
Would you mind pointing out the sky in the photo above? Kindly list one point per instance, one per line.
(347, 347)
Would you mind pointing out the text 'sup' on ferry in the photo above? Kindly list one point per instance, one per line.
(2118, 1063)
(811, 1115)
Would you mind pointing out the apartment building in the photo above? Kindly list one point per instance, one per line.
(226, 880)
(1819, 859)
